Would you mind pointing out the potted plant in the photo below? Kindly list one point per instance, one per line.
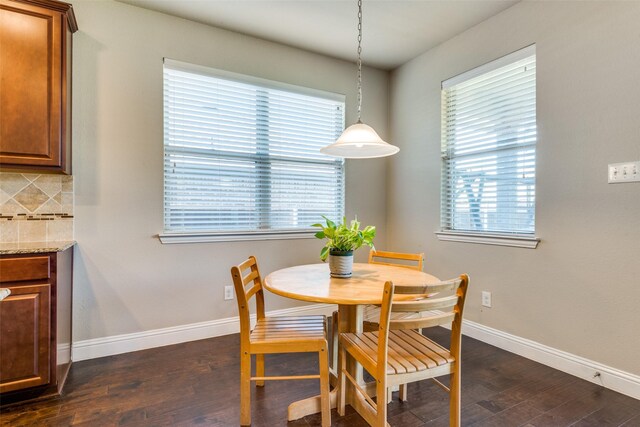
(342, 240)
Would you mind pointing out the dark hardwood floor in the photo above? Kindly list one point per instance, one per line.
(196, 383)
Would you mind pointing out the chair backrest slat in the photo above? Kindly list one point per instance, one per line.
(446, 285)
(252, 291)
(250, 277)
(436, 319)
(399, 256)
(425, 304)
(247, 264)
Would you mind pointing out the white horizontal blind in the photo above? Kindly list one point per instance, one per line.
(489, 148)
(243, 155)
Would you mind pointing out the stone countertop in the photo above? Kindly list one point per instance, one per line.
(34, 247)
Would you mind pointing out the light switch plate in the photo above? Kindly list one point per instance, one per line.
(624, 172)
(486, 299)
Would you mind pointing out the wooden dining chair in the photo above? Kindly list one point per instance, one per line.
(290, 334)
(371, 313)
(397, 354)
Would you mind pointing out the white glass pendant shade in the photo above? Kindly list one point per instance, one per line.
(359, 141)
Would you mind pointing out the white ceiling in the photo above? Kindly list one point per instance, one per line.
(394, 31)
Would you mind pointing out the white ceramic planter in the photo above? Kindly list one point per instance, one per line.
(341, 264)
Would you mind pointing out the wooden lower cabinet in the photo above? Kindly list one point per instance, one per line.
(35, 325)
(25, 320)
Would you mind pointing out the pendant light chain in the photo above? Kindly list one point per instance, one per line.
(359, 141)
(359, 60)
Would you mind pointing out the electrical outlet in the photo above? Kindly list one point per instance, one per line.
(228, 292)
(624, 172)
(486, 299)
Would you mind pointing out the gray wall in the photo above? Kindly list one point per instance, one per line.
(125, 280)
(580, 290)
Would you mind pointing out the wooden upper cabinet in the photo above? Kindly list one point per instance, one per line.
(35, 85)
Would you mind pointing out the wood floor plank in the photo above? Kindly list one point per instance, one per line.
(514, 416)
(468, 415)
(633, 422)
(610, 415)
(525, 390)
(566, 414)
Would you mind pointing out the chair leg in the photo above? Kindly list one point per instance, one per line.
(342, 382)
(260, 369)
(403, 393)
(381, 404)
(454, 397)
(334, 341)
(325, 400)
(245, 389)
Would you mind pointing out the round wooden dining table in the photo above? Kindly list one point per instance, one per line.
(313, 283)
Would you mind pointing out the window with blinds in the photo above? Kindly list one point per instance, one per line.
(242, 154)
(489, 147)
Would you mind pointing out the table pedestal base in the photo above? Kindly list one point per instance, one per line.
(311, 405)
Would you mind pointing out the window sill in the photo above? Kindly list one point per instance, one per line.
(489, 239)
(208, 237)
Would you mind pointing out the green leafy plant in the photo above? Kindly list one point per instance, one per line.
(343, 237)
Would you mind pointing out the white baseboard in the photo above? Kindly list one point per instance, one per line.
(611, 378)
(117, 344)
(63, 353)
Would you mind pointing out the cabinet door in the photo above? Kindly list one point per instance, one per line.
(30, 86)
(25, 337)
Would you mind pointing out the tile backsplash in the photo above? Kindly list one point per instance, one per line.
(35, 208)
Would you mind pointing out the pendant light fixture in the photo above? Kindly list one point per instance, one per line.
(359, 141)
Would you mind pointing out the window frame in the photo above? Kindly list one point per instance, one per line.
(170, 237)
(512, 239)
